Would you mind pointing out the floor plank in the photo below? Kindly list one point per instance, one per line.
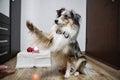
(92, 72)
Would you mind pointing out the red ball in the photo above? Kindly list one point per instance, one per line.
(30, 49)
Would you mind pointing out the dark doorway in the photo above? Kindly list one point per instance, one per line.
(103, 32)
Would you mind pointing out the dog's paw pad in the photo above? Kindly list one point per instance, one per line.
(76, 73)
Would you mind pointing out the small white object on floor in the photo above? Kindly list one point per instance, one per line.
(28, 59)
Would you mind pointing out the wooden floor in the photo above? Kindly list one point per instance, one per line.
(92, 72)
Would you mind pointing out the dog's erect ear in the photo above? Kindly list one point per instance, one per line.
(76, 17)
(59, 12)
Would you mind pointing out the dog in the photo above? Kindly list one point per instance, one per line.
(62, 39)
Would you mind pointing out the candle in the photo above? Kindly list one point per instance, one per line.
(36, 50)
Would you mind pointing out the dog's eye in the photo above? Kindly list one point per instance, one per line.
(66, 16)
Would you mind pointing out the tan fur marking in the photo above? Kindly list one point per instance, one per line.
(65, 20)
(70, 22)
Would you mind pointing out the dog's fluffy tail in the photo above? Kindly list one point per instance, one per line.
(42, 37)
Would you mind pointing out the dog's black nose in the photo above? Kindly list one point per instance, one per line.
(56, 21)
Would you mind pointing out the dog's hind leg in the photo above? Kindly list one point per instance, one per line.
(42, 37)
(79, 66)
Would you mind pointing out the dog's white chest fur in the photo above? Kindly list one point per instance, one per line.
(60, 41)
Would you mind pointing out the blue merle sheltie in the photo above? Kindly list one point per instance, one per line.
(63, 38)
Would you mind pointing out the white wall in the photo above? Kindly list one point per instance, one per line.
(4, 7)
(43, 12)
